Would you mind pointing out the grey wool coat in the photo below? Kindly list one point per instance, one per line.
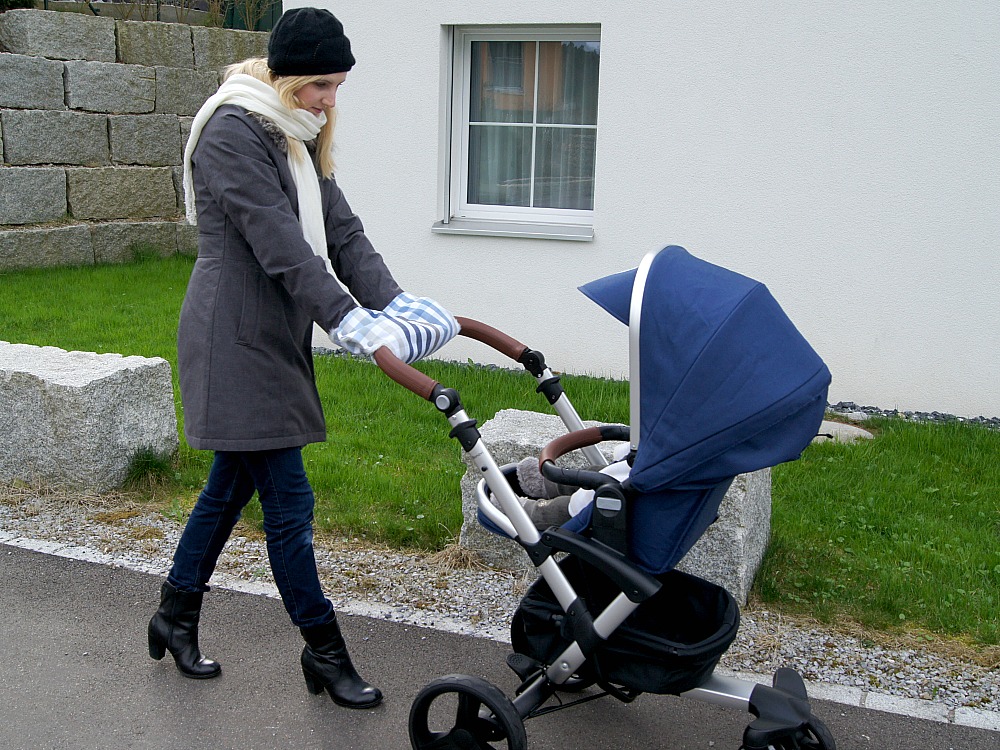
(244, 343)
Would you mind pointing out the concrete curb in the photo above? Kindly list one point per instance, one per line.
(849, 696)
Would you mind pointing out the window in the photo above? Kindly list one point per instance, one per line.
(522, 133)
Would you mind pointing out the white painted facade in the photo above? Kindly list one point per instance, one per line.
(844, 152)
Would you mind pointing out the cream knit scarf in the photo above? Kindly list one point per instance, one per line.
(298, 125)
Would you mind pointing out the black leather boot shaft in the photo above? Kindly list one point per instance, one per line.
(326, 665)
(174, 628)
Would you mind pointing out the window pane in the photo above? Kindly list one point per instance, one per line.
(499, 165)
(503, 81)
(567, 82)
(564, 168)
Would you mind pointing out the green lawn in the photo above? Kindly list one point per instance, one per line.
(902, 532)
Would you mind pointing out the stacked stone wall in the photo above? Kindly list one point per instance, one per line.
(94, 116)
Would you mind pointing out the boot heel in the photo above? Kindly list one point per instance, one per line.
(313, 682)
(157, 648)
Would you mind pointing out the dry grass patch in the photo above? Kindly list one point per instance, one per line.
(457, 557)
(143, 531)
(115, 516)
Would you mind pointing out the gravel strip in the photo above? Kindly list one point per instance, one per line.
(852, 411)
(431, 591)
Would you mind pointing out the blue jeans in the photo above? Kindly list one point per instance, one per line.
(279, 478)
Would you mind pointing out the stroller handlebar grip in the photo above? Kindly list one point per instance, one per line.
(585, 478)
(408, 377)
(569, 442)
(490, 336)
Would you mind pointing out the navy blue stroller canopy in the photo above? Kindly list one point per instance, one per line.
(726, 385)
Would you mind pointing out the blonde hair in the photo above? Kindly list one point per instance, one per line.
(286, 88)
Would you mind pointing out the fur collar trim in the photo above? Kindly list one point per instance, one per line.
(274, 132)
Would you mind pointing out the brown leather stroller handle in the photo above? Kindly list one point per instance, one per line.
(585, 478)
(422, 385)
(569, 442)
(402, 373)
(490, 336)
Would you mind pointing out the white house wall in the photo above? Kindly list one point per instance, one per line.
(844, 153)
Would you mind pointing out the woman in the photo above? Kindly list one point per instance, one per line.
(274, 238)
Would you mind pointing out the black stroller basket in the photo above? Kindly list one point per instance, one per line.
(670, 644)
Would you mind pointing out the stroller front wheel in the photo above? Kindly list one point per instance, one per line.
(458, 711)
(814, 735)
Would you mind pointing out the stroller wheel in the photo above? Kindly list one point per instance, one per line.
(458, 711)
(813, 736)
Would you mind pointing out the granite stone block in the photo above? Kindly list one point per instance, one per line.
(59, 137)
(182, 92)
(32, 195)
(59, 36)
(31, 82)
(151, 43)
(216, 48)
(119, 241)
(121, 193)
(187, 238)
(110, 87)
(45, 247)
(148, 140)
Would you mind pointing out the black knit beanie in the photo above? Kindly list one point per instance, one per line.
(309, 42)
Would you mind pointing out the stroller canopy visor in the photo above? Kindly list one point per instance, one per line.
(728, 384)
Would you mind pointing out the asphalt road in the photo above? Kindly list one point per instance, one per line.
(75, 674)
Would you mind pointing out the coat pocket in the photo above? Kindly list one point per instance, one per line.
(246, 331)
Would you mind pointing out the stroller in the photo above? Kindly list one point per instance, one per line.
(721, 383)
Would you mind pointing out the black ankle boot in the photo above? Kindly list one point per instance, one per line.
(326, 665)
(174, 628)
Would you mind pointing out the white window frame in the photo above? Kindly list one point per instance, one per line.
(458, 215)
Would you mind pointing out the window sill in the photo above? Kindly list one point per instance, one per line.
(576, 232)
